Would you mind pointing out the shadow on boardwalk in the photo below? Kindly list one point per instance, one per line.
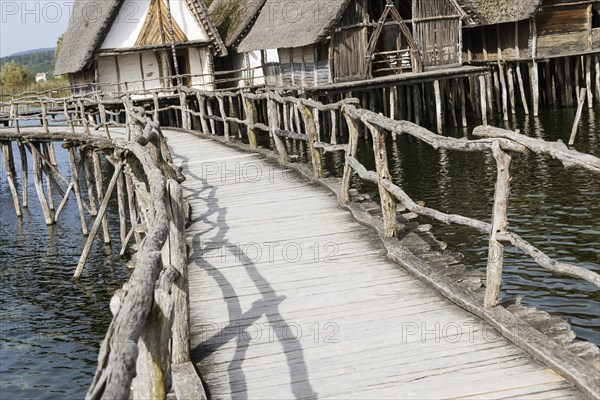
(214, 237)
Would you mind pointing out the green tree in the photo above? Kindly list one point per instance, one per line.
(14, 76)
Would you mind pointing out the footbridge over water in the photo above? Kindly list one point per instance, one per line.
(256, 277)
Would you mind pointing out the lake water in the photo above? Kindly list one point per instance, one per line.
(51, 326)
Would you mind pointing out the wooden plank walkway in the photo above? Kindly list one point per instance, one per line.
(291, 298)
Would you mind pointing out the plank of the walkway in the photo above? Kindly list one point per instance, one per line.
(264, 327)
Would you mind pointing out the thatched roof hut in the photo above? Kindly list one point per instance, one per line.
(490, 12)
(293, 24)
(90, 23)
(233, 18)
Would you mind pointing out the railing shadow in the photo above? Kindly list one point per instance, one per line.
(239, 321)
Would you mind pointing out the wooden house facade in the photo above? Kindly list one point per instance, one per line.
(133, 46)
(320, 42)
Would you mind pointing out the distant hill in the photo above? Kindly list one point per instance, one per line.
(23, 53)
(38, 60)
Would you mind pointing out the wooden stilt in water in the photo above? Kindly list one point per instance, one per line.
(588, 81)
(10, 177)
(417, 103)
(522, 89)
(24, 173)
(597, 68)
(549, 91)
(568, 82)
(121, 204)
(504, 91)
(100, 193)
(535, 88)
(577, 67)
(463, 103)
(497, 91)
(133, 212)
(483, 99)
(452, 103)
(438, 107)
(38, 180)
(98, 222)
(77, 189)
(88, 173)
(511, 88)
(46, 152)
(577, 117)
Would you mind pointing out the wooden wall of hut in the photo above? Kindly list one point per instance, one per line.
(349, 41)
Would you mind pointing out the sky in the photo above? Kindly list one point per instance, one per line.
(32, 24)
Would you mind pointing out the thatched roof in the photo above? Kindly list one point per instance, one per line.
(489, 12)
(90, 23)
(233, 17)
(85, 34)
(289, 23)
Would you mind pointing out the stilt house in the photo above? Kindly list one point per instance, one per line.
(124, 46)
(318, 42)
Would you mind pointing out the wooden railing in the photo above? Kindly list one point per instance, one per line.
(135, 342)
(150, 329)
(501, 143)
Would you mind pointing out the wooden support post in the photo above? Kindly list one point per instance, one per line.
(83, 118)
(388, 202)
(68, 118)
(63, 203)
(10, 177)
(588, 81)
(24, 173)
(497, 91)
(417, 103)
(44, 107)
(351, 152)
(577, 117)
(334, 126)
(122, 212)
(522, 89)
(211, 113)
(77, 189)
(201, 110)
(224, 116)
(463, 103)
(98, 221)
(156, 105)
(577, 67)
(311, 132)
(317, 119)
(597, 68)
(569, 82)
(103, 119)
(483, 96)
(438, 107)
(549, 91)
(535, 88)
(499, 225)
(511, 88)
(88, 174)
(504, 91)
(273, 117)
(15, 116)
(46, 152)
(133, 212)
(38, 180)
(250, 112)
(186, 120)
(100, 193)
(178, 260)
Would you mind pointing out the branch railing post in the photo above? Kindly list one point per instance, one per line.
(221, 102)
(311, 132)
(273, 117)
(388, 204)
(250, 110)
(44, 107)
(351, 152)
(499, 226)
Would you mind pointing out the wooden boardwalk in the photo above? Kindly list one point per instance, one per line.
(291, 298)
